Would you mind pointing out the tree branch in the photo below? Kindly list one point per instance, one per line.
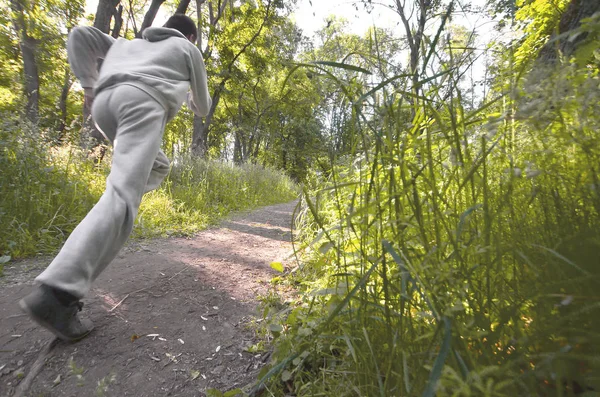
(254, 37)
(184, 4)
(151, 14)
(409, 37)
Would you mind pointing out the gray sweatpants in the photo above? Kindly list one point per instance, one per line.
(134, 123)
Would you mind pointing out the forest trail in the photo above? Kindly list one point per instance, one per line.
(196, 295)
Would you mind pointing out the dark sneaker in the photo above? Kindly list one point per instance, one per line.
(62, 320)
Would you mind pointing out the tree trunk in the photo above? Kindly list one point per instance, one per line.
(62, 104)
(256, 152)
(237, 148)
(414, 38)
(118, 21)
(90, 136)
(32, 82)
(27, 45)
(200, 133)
(150, 15)
(182, 7)
(200, 138)
(201, 128)
(569, 20)
(104, 13)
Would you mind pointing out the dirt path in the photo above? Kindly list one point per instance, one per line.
(196, 295)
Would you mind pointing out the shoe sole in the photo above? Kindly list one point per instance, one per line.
(48, 326)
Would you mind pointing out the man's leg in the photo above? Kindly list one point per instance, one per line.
(160, 170)
(135, 122)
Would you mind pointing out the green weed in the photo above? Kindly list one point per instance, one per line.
(456, 253)
(47, 189)
(104, 383)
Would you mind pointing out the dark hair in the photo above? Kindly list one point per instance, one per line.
(182, 23)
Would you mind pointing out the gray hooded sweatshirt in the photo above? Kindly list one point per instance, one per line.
(163, 63)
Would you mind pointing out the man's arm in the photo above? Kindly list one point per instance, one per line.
(199, 99)
(85, 47)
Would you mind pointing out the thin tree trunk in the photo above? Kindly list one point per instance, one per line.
(118, 21)
(201, 128)
(32, 82)
(200, 132)
(569, 20)
(104, 14)
(27, 45)
(150, 14)
(255, 152)
(182, 7)
(62, 104)
(237, 148)
(90, 136)
(200, 138)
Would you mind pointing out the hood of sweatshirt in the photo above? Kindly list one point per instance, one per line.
(159, 34)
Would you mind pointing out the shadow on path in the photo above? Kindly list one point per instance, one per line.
(171, 316)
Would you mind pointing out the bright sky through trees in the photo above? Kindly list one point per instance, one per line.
(312, 16)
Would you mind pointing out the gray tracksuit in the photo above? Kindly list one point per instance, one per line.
(140, 87)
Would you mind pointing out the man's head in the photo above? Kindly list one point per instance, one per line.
(185, 25)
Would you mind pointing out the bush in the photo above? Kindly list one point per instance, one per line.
(457, 257)
(47, 190)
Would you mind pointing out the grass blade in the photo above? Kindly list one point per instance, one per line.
(342, 66)
(438, 365)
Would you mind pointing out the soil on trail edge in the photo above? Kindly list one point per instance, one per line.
(195, 295)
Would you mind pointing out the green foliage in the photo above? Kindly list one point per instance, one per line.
(456, 251)
(47, 23)
(199, 192)
(47, 190)
(540, 19)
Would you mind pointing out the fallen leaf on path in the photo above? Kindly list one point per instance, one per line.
(181, 341)
(216, 307)
(203, 318)
(217, 349)
(134, 337)
(155, 358)
(57, 380)
(161, 338)
(195, 374)
(277, 266)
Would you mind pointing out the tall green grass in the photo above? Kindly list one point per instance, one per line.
(458, 252)
(47, 189)
(200, 192)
